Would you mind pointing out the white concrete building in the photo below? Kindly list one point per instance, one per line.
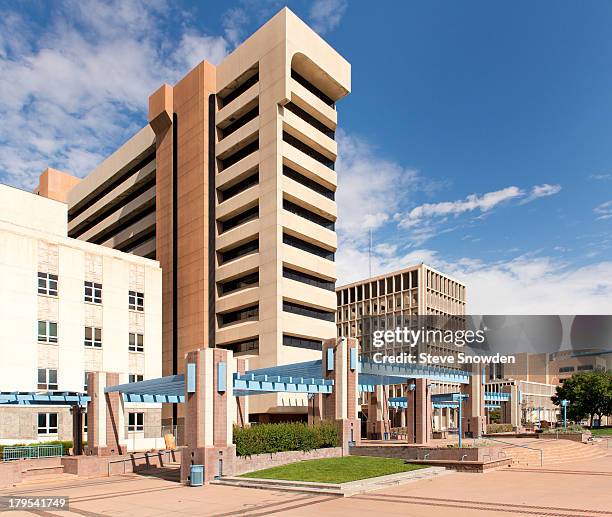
(69, 307)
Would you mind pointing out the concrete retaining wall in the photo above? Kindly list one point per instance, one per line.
(244, 464)
(480, 454)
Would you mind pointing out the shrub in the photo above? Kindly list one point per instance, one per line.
(571, 428)
(288, 436)
(499, 428)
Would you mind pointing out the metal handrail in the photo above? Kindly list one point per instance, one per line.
(522, 446)
(32, 452)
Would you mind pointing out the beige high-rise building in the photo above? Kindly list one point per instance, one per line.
(231, 188)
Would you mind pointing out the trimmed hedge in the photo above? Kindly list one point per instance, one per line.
(499, 428)
(289, 436)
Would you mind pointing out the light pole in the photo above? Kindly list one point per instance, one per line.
(412, 387)
(565, 403)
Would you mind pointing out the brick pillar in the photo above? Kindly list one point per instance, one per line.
(105, 416)
(340, 406)
(378, 414)
(210, 411)
(473, 421)
(242, 403)
(419, 411)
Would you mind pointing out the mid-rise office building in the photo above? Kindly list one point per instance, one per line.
(231, 187)
(70, 307)
(394, 300)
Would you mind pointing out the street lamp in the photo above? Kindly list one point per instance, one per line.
(565, 403)
(412, 387)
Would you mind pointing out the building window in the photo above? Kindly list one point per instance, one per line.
(300, 342)
(566, 369)
(93, 292)
(85, 423)
(47, 332)
(585, 367)
(239, 316)
(311, 312)
(47, 284)
(135, 377)
(136, 342)
(135, 422)
(93, 337)
(47, 379)
(136, 301)
(86, 382)
(47, 423)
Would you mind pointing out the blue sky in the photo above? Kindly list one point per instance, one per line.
(476, 137)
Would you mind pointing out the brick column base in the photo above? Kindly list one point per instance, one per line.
(376, 429)
(209, 457)
(349, 432)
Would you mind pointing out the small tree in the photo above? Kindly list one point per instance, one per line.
(589, 393)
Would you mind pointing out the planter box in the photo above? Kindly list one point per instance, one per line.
(244, 464)
(574, 437)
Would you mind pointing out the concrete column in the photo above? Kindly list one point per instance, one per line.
(473, 421)
(315, 408)
(449, 420)
(511, 411)
(340, 406)
(210, 412)
(105, 416)
(378, 414)
(419, 412)
(242, 403)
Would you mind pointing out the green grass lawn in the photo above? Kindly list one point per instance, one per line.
(605, 431)
(335, 470)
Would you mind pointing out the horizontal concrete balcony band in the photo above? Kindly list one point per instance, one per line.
(308, 198)
(239, 170)
(145, 249)
(124, 158)
(145, 198)
(237, 300)
(308, 262)
(310, 328)
(238, 106)
(309, 231)
(114, 197)
(238, 331)
(238, 139)
(309, 295)
(237, 267)
(119, 240)
(312, 104)
(237, 235)
(237, 203)
(308, 166)
(309, 135)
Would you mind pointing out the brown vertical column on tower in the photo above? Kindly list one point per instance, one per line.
(340, 363)
(419, 411)
(209, 413)
(181, 118)
(379, 425)
(105, 416)
(473, 421)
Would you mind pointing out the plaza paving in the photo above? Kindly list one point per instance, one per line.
(578, 488)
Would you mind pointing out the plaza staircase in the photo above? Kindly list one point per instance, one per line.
(554, 452)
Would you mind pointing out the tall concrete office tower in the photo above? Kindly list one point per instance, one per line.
(231, 187)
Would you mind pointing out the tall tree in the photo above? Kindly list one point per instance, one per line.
(589, 393)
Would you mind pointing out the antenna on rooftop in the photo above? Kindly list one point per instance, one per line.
(370, 255)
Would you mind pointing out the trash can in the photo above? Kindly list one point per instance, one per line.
(196, 475)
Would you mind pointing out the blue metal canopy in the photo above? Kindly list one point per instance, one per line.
(42, 398)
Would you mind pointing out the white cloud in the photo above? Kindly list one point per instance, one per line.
(481, 203)
(600, 177)
(604, 211)
(370, 187)
(544, 190)
(525, 284)
(73, 90)
(325, 15)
